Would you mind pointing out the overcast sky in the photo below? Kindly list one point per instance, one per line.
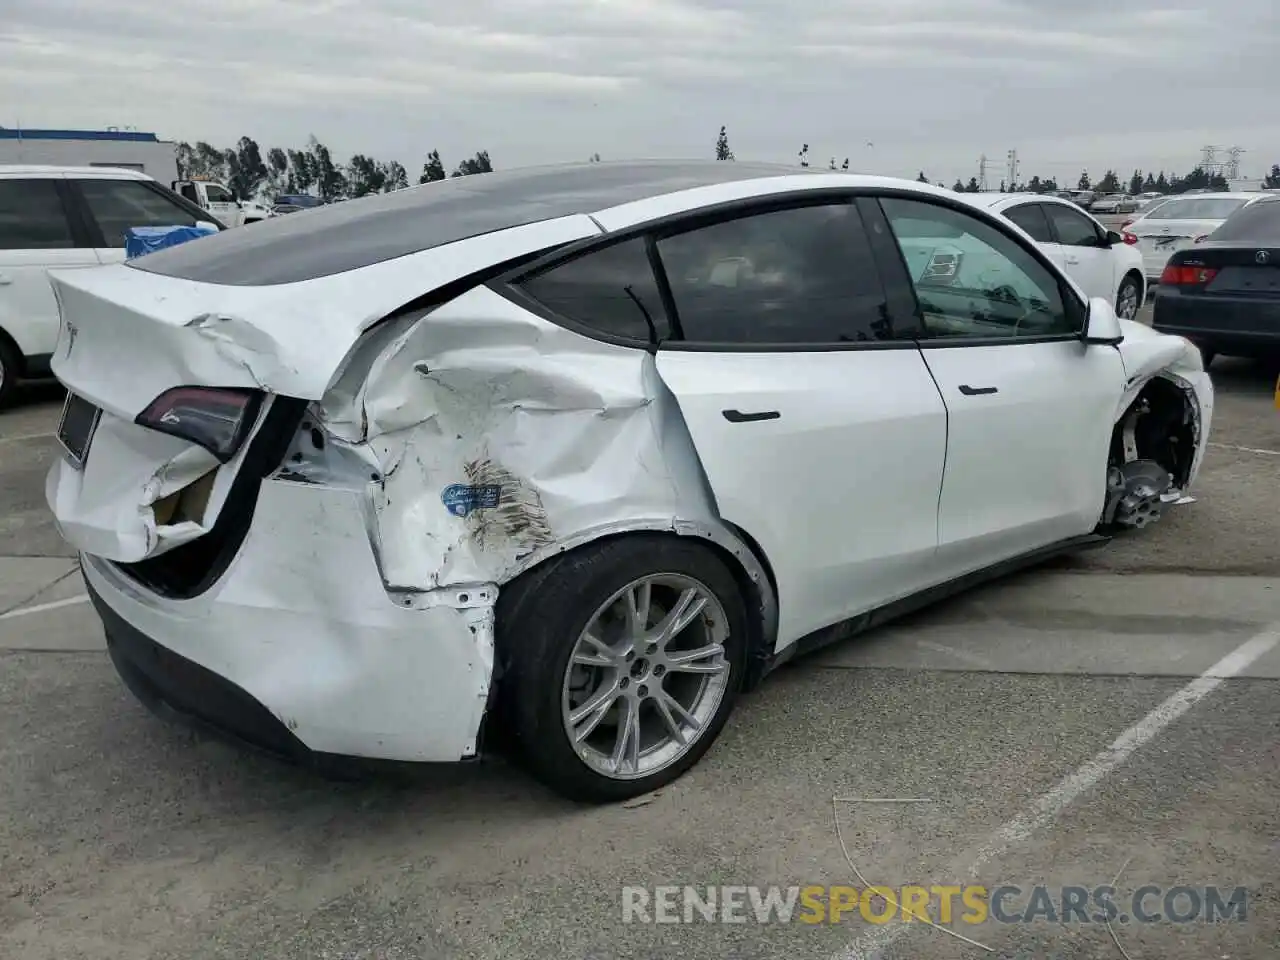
(895, 85)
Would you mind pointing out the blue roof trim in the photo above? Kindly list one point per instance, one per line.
(129, 135)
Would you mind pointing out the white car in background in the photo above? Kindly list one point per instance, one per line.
(582, 450)
(65, 217)
(1097, 259)
(1160, 231)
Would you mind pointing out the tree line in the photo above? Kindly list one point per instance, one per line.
(1139, 182)
(251, 172)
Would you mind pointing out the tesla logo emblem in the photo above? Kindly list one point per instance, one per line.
(1262, 256)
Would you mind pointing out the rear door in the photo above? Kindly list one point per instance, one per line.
(1031, 217)
(37, 233)
(113, 206)
(1083, 251)
(817, 423)
(1030, 406)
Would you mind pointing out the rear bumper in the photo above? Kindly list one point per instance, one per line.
(1222, 322)
(299, 650)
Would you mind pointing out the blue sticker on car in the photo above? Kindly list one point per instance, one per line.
(461, 498)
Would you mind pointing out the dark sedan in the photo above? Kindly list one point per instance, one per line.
(1223, 293)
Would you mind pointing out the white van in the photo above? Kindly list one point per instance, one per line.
(64, 217)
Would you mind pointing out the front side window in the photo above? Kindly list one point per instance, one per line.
(217, 194)
(118, 205)
(1030, 217)
(804, 275)
(32, 217)
(612, 291)
(973, 280)
(1074, 229)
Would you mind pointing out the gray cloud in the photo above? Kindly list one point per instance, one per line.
(931, 83)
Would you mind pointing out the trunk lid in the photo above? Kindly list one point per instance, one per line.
(1241, 270)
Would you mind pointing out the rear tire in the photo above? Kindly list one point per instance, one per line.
(675, 702)
(10, 367)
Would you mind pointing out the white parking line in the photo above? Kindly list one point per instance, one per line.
(1232, 446)
(27, 436)
(42, 607)
(1047, 807)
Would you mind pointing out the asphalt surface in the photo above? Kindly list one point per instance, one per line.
(1003, 711)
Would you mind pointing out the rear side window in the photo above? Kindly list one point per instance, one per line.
(805, 275)
(1030, 217)
(612, 291)
(1259, 222)
(118, 205)
(32, 216)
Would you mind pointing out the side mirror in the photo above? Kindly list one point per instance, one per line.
(1114, 237)
(1101, 325)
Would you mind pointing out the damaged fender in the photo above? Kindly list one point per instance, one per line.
(498, 439)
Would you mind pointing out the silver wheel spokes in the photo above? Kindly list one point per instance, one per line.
(1128, 306)
(646, 676)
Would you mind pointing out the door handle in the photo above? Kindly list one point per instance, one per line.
(969, 391)
(737, 416)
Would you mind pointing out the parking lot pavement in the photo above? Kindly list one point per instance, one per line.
(1113, 711)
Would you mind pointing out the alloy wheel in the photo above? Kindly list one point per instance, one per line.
(646, 677)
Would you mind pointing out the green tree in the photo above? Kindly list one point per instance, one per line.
(1003, 187)
(477, 164)
(922, 178)
(330, 181)
(1162, 183)
(1110, 183)
(302, 172)
(722, 146)
(1135, 183)
(958, 186)
(433, 168)
(1149, 184)
(1083, 183)
(394, 176)
(973, 186)
(1035, 186)
(594, 158)
(1273, 180)
(246, 171)
(277, 172)
(365, 176)
(804, 155)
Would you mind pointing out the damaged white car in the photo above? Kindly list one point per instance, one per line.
(584, 451)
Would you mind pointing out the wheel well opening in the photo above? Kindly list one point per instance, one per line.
(1162, 425)
(1137, 276)
(513, 594)
(11, 345)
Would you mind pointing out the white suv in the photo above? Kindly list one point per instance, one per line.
(62, 217)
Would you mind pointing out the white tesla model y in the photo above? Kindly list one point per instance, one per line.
(583, 451)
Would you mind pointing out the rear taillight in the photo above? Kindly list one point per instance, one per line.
(1129, 238)
(215, 418)
(1180, 275)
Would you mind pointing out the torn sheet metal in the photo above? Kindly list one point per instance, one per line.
(502, 438)
(289, 339)
(141, 493)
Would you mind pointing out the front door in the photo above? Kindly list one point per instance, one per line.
(1030, 406)
(821, 435)
(1085, 253)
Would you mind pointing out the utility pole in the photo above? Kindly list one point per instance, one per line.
(1233, 166)
(982, 172)
(1013, 169)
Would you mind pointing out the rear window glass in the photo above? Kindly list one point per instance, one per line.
(1258, 221)
(1214, 208)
